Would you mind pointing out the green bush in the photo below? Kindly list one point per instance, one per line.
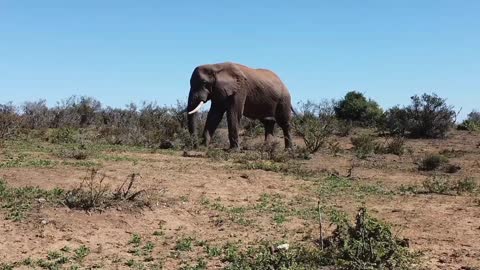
(427, 117)
(466, 185)
(63, 135)
(364, 145)
(367, 244)
(472, 123)
(358, 109)
(443, 185)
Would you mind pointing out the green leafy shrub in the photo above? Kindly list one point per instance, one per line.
(439, 185)
(427, 117)
(444, 185)
(466, 185)
(472, 123)
(367, 244)
(364, 145)
(357, 108)
(63, 135)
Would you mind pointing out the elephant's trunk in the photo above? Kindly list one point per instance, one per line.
(192, 124)
(196, 99)
(191, 118)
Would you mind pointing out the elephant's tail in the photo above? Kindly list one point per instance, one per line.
(294, 112)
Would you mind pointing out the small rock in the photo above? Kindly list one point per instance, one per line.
(41, 200)
(283, 247)
(44, 222)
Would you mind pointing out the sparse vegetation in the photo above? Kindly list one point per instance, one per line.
(395, 146)
(432, 162)
(364, 145)
(184, 244)
(95, 194)
(73, 118)
(443, 185)
(61, 259)
(315, 124)
(19, 201)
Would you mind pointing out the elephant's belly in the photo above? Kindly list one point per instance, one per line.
(260, 111)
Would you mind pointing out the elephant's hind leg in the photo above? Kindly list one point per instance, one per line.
(269, 126)
(286, 128)
(283, 117)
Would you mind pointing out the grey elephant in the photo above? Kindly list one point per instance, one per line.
(239, 91)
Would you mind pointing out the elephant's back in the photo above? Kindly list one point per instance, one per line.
(269, 83)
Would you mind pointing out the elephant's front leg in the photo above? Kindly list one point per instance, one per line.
(214, 117)
(233, 118)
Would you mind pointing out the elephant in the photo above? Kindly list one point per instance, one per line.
(239, 91)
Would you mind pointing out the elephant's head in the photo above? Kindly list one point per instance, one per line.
(211, 82)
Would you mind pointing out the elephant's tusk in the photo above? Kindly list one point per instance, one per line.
(197, 108)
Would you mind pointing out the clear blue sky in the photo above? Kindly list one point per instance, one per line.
(122, 51)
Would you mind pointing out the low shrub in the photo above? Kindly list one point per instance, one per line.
(432, 162)
(444, 185)
(364, 145)
(439, 185)
(62, 135)
(367, 244)
(94, 194)
(466, 185)
(78, 152)
(314, 124)
(395, 146)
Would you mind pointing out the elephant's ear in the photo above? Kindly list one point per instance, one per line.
(229, 81)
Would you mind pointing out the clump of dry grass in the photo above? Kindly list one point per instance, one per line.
(94, 193)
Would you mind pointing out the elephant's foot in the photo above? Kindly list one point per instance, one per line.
(234, 149)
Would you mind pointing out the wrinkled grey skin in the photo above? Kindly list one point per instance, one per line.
(239, 91)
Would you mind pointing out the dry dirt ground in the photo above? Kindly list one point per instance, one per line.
(200, 203)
